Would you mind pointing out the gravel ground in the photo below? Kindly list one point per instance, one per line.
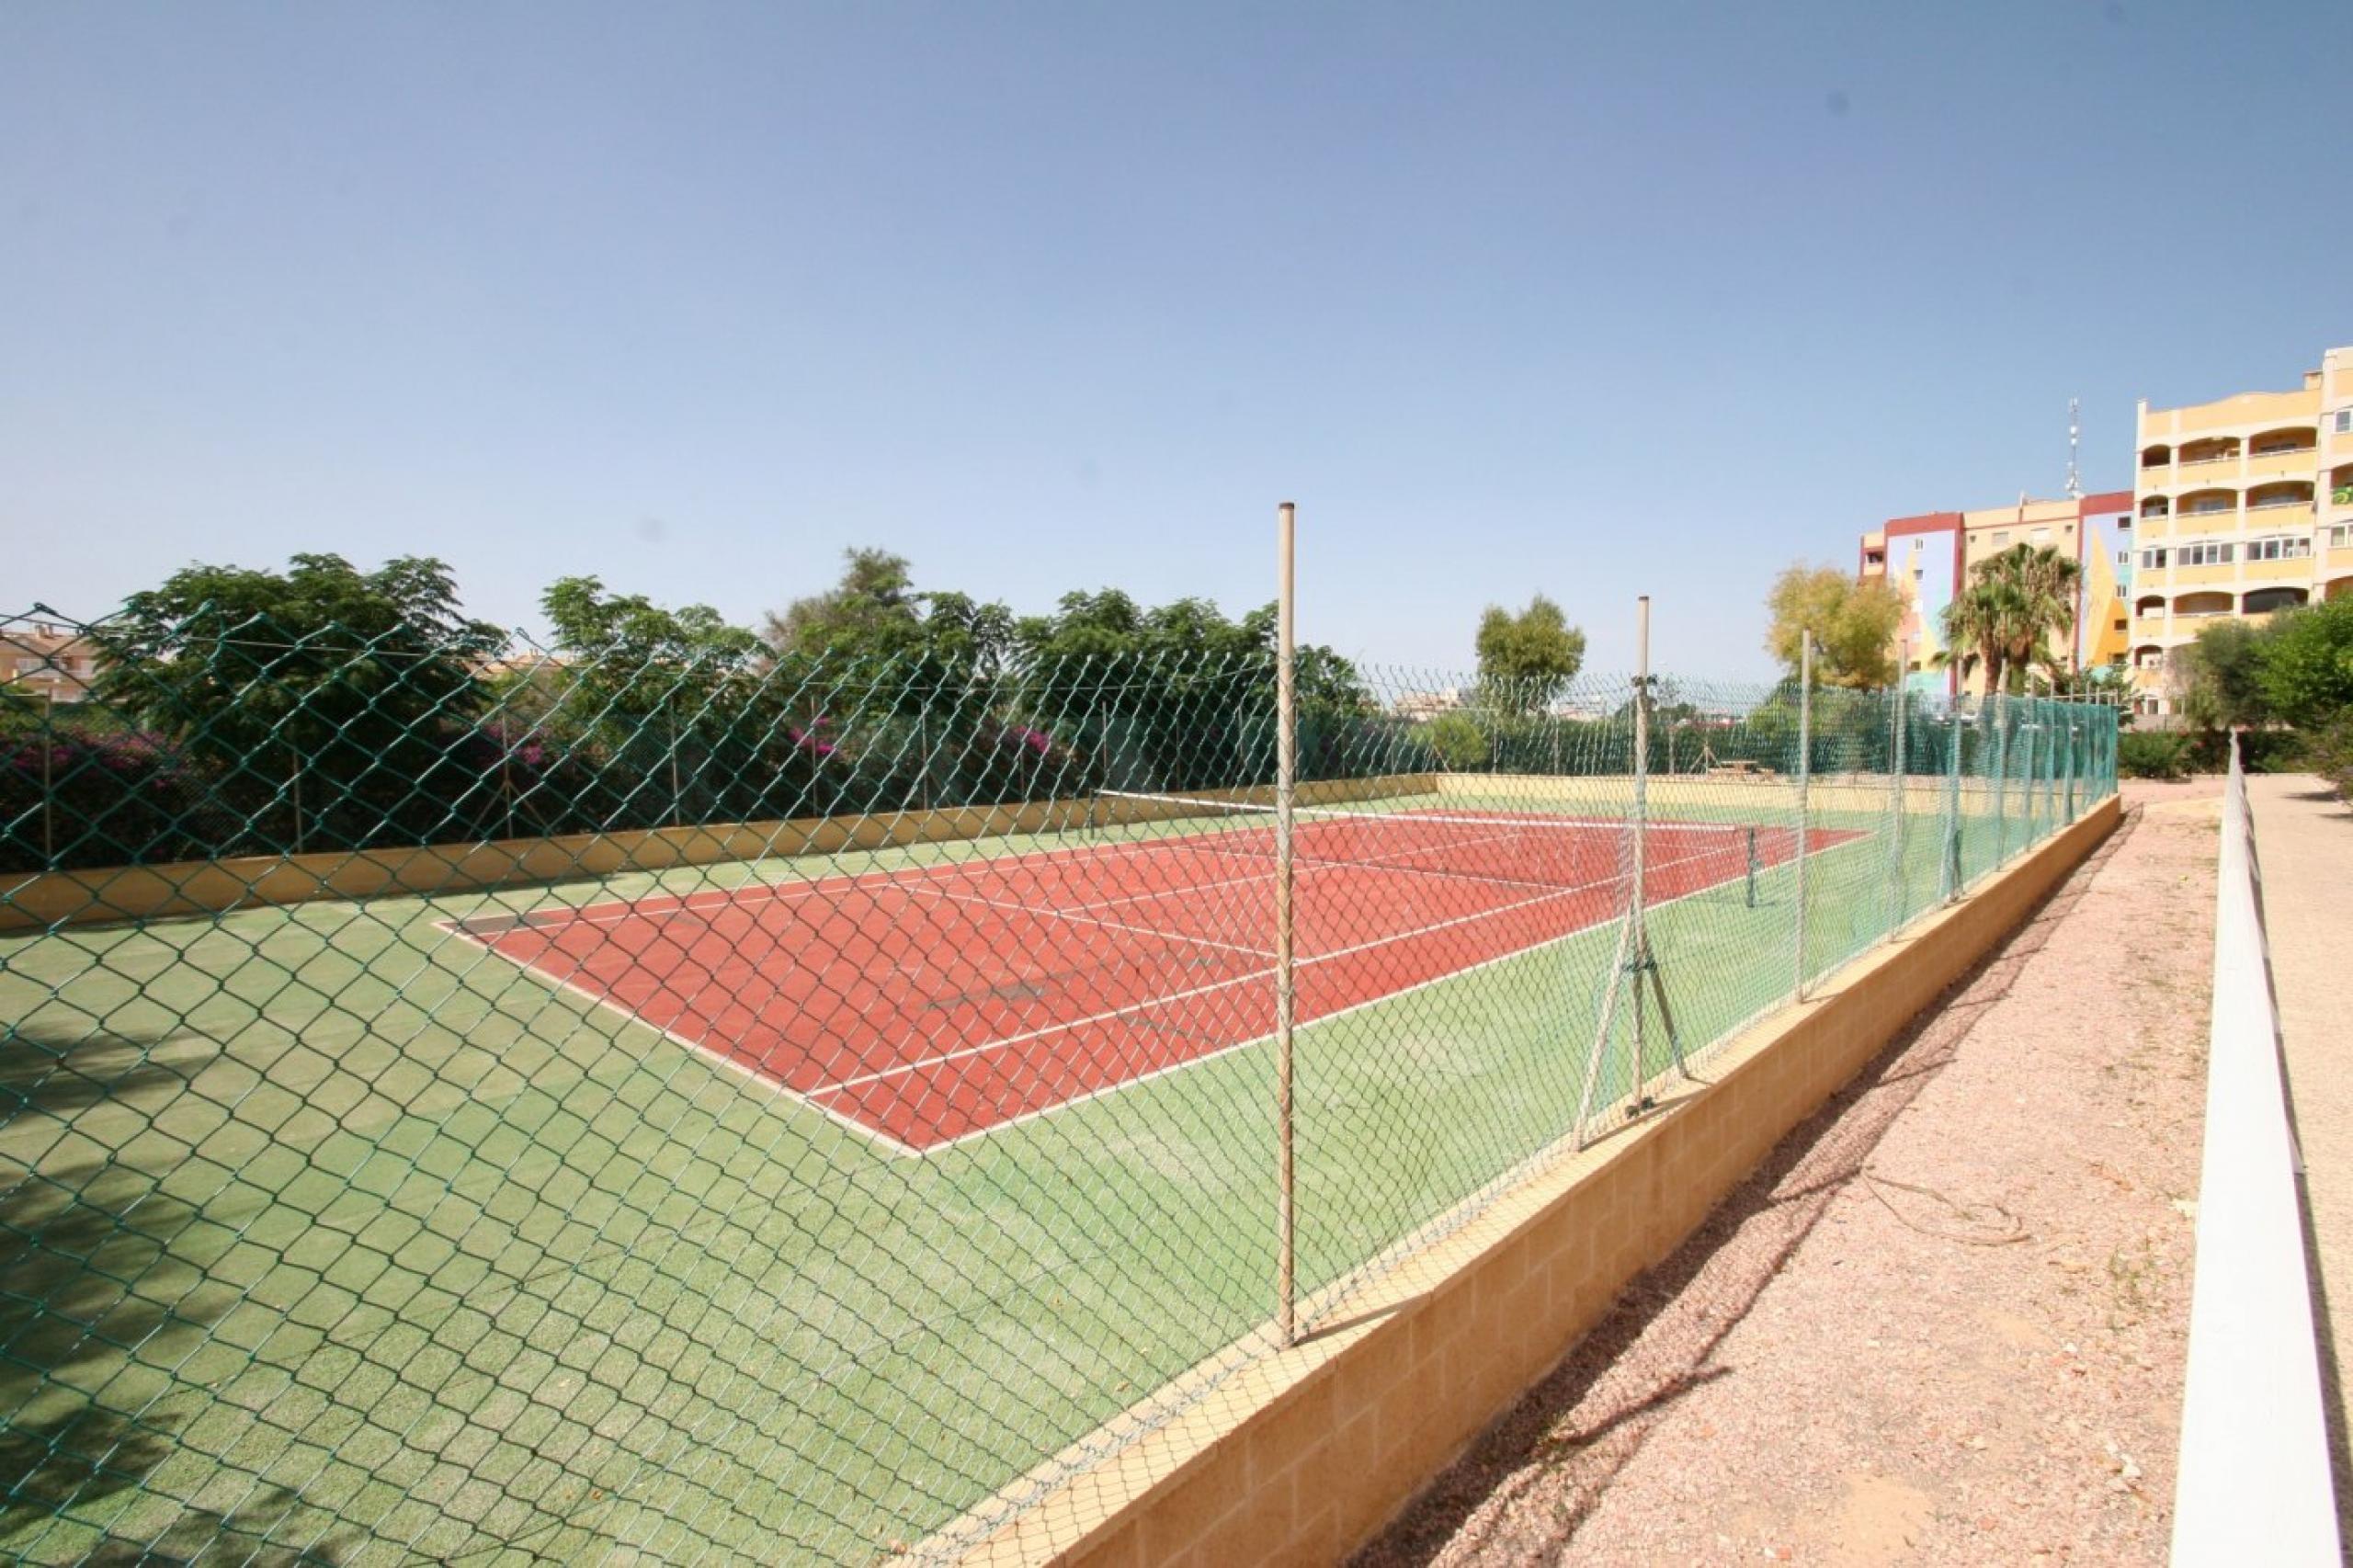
(1945, 1323)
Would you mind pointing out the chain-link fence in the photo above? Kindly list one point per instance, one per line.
(466, 1103)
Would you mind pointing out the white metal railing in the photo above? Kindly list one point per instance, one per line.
(2255, 1484)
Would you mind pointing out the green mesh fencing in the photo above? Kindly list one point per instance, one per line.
(468, 1103)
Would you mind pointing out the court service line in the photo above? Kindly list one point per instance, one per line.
(1078, 919)
(903, 1069)
(1860, 837)
(1045, 1110)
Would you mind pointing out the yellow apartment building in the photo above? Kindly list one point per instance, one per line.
(1928, 558)
(2241, 508)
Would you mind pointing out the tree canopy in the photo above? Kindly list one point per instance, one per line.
(245, 657)
(1528, 660)
(1853, 624)
(2306, 670)
(2220, 676)
(873, 610)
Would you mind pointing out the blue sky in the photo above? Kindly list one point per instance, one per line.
(1509, 297)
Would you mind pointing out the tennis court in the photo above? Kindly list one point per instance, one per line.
(796, 1149)
(937, 1003)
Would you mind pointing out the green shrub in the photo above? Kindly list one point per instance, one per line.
(2271, 751)
(1459, 742)
(2328, 751)
(2152, 754)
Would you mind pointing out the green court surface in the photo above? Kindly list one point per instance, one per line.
(331, 1235)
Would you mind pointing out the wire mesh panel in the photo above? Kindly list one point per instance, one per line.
(464, 1099)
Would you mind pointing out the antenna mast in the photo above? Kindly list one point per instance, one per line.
(2074, 482)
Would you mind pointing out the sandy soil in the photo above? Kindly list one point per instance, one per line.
(1945, 1323)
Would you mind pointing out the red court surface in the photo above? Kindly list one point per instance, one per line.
(937, 1003)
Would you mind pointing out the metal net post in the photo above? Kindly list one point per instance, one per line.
(1805, 771)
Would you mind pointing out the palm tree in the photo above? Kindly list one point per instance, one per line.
(2046, 582)
(1980, 626)
(2016, 603)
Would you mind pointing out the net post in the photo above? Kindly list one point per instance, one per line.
(1286, 783)
(1751, 898)
(1805, 772)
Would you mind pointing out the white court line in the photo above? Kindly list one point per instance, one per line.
(768, 1080)
(1861, 836)
(662, 905)
(761, 1076)
(1077, 919)
(904, 1068)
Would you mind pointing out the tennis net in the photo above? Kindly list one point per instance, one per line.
(1519, 848)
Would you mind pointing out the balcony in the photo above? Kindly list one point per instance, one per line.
(2264, 601)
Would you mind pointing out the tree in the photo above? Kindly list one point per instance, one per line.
(1981, 627)
(2306, 671)
(632, 658)
(2220, 676)
(324, 698)
(1853, 624)
(1526, 661)
(873, 610)
(2043, 620)
(2005, 620)
(1460, 743)
(633, 629)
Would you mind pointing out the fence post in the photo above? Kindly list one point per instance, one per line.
(1805, 771)
(1895, 777)
(1286, 767)
(677, 801)
(1637, 939)
(2071, 764)
(2028, 777)
(48, 777)
(1952, 867)
(1997, 707)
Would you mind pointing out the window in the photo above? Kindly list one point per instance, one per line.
(2340, 535)
(2278, 549)
(2205, 555)
(2001, 538)
(2153, 559)
(2345, 421)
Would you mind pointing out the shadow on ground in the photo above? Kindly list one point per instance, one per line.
(1659, 1358)
(91, 1254)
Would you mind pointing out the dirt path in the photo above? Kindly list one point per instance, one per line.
(2303, 840)
(1945, 1324)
